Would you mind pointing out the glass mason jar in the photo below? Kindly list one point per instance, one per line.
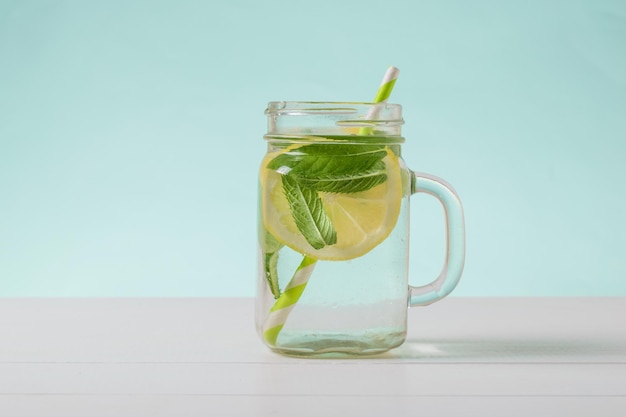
(334, 197)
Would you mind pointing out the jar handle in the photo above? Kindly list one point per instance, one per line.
(455, 237)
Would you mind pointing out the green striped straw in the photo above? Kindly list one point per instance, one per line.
(287, 300)
(389, 80)
(383, 93)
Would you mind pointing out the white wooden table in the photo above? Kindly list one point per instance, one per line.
(201, 357)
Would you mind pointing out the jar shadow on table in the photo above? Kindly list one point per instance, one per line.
(548, 350)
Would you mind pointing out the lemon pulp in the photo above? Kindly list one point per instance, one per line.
(361, 220)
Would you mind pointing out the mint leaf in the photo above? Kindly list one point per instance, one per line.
(270, 247)
(335, 168)
(360, 178)
(308, 213)
(313, 152)
(268, 242)
(271, 272)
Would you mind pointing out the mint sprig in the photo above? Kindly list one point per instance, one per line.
(332, 168)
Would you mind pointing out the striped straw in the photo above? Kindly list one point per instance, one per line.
(386, 85)
(286, 301)
(383, 93)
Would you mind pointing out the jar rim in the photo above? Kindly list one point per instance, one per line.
(324, 107)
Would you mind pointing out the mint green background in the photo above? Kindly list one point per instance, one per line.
(130, 133)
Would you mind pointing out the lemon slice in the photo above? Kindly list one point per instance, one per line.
(361, 220)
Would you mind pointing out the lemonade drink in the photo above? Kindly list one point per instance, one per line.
(341, 202)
